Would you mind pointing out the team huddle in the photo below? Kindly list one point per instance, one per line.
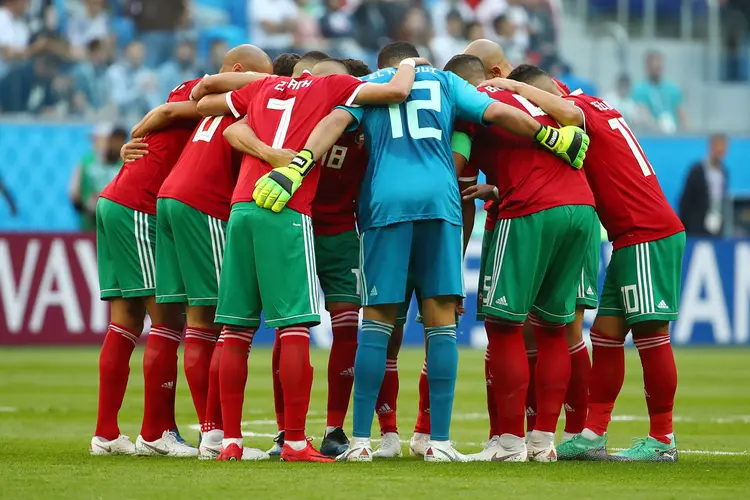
(250, 189)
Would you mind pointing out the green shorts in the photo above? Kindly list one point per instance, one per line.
(587, 295)
(269, 266)
(534, 264)
(643, 281)
(189, 251)
(337, 260)
(125, 251)
(483, 287)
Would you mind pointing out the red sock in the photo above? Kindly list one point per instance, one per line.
(213, 399)
(233, 377)
(423, 414)
(552, 374)
(278, 393)
(491, 404)
(577, 398)
(296, 377)
(510, 371)
(160, 380)
(114, 369)
(607, 376)
(341, 365)
(387, 399)
(199, 348)
(531, 357)
(659, 381)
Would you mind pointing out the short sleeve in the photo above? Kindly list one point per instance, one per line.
(357, 113)
(470, 103)
(343, 89)
(239, 100)
(183, 91)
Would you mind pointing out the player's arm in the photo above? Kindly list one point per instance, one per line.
(165, 115)
(461, 146)
(562, 111)
(243, 138)
(327, 132)
(224, 82)
(394, 92)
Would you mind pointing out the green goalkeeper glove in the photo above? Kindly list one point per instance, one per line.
(273, 190)
(568, 143)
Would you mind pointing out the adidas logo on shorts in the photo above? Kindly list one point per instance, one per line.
(502, 301)
(373, 292)
(589, 291)
(662, 305)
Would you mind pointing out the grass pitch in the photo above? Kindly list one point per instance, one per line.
(48, 410)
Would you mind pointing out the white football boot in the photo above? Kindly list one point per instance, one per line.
(418, 444)
(389, 446)
(166, 446)
(442, 451)
(254, 454)
(210, 446)
(122, 445)
(360, 450)
(505, 448)
(542, 447)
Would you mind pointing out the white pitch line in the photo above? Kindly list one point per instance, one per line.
(8, 409)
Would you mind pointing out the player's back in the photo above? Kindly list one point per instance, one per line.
(206, 172)
(138, 182)
(528, 178)
(411, 174)
(630, 202)
(283, 111)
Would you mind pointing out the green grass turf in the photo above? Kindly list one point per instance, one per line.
(48, 410)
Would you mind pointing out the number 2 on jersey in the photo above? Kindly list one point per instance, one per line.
(286, 106)
(620, 125)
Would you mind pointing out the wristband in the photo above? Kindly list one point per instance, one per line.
(409, 62)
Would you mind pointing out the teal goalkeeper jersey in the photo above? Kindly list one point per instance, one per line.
(410, 174)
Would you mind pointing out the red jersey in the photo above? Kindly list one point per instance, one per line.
(138, 182)
(206, 173)
(564, 88)
(342, 170)
(283, 111)
(528, 178)
(629, 200)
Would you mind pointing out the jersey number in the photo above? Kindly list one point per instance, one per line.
(412, 118)
(286, 117)
(635, 148)
(206, 130)
(335, 157)
(533, 110)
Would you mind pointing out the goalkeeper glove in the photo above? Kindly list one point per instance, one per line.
(273, 190)
(568, 143)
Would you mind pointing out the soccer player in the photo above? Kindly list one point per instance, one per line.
(642, 288)
(126, 241)
(545, 222)
(192, 213)
(269, 257)
(410, 219)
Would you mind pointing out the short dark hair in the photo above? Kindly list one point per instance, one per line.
(394, 53)
(283, 65)
(356, 67)
(119, 131)
(499, 20)
(463, 63)
(526, 73)
(314, 57)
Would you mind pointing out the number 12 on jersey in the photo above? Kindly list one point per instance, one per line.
(620, 125)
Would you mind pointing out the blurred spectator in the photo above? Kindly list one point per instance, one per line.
(90, 75)
(92, 23)
(376, 23)
(439, 10)
(507, 35)
(336, 22)
(272, 24)
(487, 11)
(452, 42)
(542, 28)
(563, 72)
(133, 87)
(661, 98)
(216, 52)
(475, 31)
(210, 13)
(96, 169)
(306, 29)
(622, 99)
(29, 87)
(158, 23)
(15, 35)
(416, 30)
(704, 197)
(182, 67)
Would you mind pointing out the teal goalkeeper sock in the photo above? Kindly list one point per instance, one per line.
(369, 370)
(442, 365)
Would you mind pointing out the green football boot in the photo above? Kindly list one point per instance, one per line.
(580, 448)
(649, 450)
